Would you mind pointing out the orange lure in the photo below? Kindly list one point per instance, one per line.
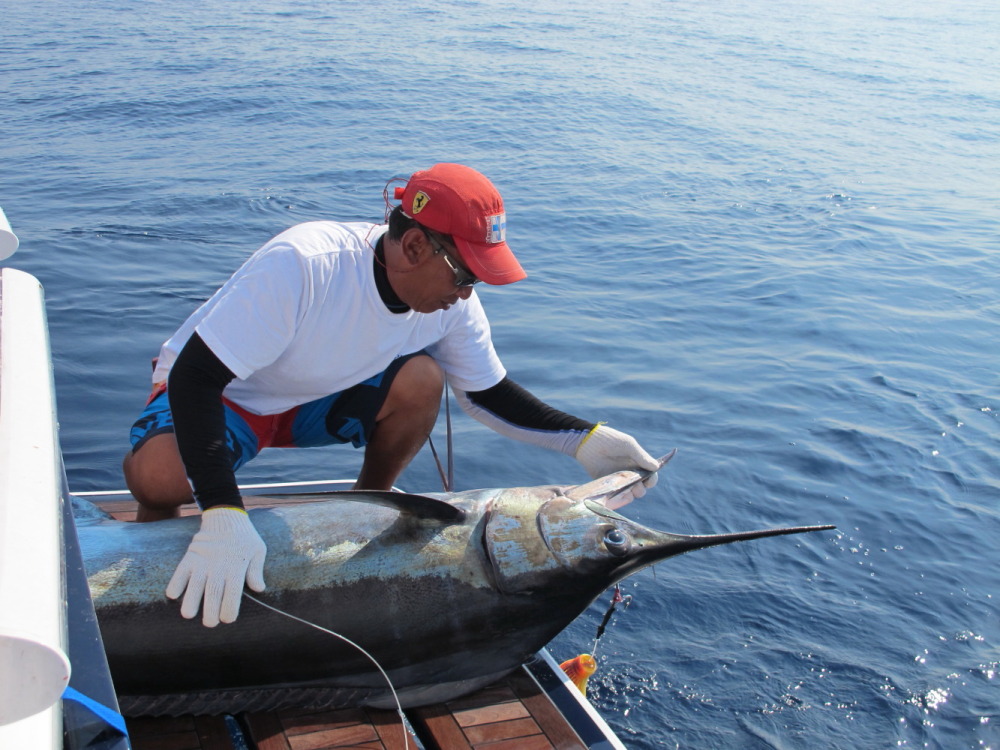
(579, 670)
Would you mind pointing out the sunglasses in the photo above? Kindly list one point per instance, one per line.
(462, 277)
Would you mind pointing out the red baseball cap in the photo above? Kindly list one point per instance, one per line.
(459, 201)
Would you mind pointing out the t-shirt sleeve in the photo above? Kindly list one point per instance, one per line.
(466, 352)
(256, 317)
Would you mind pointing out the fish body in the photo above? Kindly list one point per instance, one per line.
(446, 592)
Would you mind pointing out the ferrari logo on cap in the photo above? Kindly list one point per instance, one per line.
(497, 228)
(420, 200)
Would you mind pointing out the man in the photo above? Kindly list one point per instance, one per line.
(330, 333)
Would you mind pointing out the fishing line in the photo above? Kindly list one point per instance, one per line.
(616, 599)
(349, 642)
(448, 481)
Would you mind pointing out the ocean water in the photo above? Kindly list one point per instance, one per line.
(765, 233)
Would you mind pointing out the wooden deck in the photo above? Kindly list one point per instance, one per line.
(270, 731)
(512, 714)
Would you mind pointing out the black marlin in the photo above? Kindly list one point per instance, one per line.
(447, 592)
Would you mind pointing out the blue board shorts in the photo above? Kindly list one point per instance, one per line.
(344, 417)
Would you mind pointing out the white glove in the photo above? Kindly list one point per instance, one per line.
(605, 451)
(225, 552)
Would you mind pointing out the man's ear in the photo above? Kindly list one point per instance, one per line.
(414, 245)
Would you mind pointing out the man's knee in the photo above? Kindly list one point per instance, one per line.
(418, 384)
(404, 421)
(155, 474)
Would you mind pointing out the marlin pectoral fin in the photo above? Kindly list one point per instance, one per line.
(608, 490)
(420, 507)
(664, 460)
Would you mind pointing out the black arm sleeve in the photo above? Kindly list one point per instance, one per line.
(515, 405)
(194, 387)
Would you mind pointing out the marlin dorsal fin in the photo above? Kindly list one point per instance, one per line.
(420, 507)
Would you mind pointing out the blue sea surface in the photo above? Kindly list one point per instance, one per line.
(765, 233)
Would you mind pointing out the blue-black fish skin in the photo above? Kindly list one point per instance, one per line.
(445, 606)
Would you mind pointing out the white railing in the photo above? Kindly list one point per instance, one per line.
(34, 668)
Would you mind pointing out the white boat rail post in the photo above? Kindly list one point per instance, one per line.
(34, 667)
(8, 240)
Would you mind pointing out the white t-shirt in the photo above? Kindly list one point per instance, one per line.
(303, 319)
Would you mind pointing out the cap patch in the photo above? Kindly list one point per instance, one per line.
(497, 228)
(420, 201)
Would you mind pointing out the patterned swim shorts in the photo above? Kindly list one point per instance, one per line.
(344, 417)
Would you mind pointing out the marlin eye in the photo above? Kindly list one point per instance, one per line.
(617, 542)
